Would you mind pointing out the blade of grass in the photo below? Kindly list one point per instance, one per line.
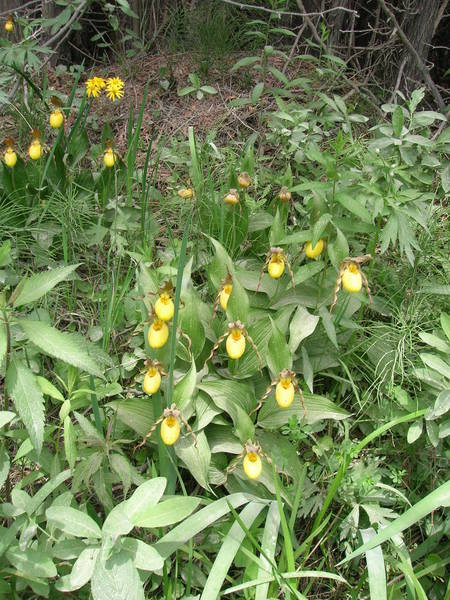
(375, 567)
(298, 495)
(305, 544)
(268, 546)
(181, 264)
(94, 404)
(286, 576)
(287, 538)
(228, 550)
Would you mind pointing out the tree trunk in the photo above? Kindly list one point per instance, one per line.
(419, 27)
(135, 23)
(6, 5)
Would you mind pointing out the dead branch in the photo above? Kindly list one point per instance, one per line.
(289, 13)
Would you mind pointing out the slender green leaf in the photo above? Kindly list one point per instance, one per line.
(196, 457)
(145, 496)
(4, 466)
(36, 286)
(59, 345)
(302, 325)
(278, 356)
(28, 400)
(268, 547)
(145, 557)
(167, 512)
(73, 521)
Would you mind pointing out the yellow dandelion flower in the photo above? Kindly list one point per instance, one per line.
(94, 86)
(114, 88)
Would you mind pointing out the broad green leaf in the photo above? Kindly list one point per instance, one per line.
(445, 179)
(4, 466)
(121, 465)
(35, 563)
(237, 400)
(441, 406)
(444, 429)
(221, 439)
(328, 324)
(89, 430)
(198, 522)
(8, 535)
(36, 286)
(439, 497)
(302, 325)
(354, 205)
(195, 457)
(317, 408)
(59, 345)
(220, 265)
(227, 552)
(398, 119)
(436, 363)
(81, 573)
(338, 249)
(260, 220)
(268, 547)
(190, 321)
(116, 578)
(307, 271)
(238, 303)
(245, 62)
(248, 365)
(435, 342)
(375, 567)
(145, 557)
(48, 389)
(277, 230)
(117, 522)
(282, 453)
(73, 522)
(319, 228)
(445, 322)
(167, 512)
(28, 400)
(135, 413)
(5, 253)
(257, 92)
(432, 432)
(6, 416)
(184, 389)
(278, 354)
(415, 431)
(145, 496)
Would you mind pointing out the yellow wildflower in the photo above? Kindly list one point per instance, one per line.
(9, 25)
(94, 86)
(114, 88)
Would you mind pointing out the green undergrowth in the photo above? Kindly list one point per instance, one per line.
(353, 471)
